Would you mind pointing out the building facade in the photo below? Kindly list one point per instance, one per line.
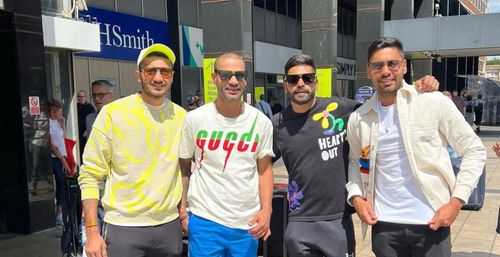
(493, 72)
(53, 50)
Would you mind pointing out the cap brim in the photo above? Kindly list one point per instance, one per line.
(160, 48)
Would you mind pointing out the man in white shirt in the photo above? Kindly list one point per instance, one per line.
(400, 176)
(231, 188)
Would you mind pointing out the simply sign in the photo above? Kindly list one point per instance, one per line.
(346, 69)
(122, 35)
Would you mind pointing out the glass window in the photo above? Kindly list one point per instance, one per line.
(271, 5)
(299, 10)
(259, 3)
(133, 7)
(259, 78)
(292, 9)
(155, 9)
(271, 78)
(340, 20)
(55, 7)
(282, 7)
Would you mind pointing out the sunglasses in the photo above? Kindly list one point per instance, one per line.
(150, 73)
(294, 79)
(226, 75)
(393, 65)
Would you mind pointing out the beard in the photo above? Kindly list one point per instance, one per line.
(301, 100)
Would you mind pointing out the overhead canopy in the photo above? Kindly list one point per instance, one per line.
(449, 36)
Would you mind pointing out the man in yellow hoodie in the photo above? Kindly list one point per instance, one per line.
(134, 145)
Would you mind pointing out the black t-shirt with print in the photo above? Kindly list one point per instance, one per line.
(314, 148)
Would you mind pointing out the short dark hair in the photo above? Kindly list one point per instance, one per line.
(54, 105)
(299, 59)
(385, 42)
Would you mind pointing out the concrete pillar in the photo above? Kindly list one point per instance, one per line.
(369, 26)
(227, 27)
(319, 34)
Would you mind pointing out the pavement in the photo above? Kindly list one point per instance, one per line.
(473, 232)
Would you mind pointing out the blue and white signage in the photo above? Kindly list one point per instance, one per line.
(192, 46)
(364, 93)
(122, 35)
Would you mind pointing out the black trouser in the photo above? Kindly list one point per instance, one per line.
(151, 241)
(402, 240)
(330, 238)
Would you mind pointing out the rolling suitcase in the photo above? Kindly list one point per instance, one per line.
(274, 246)
(476, 199)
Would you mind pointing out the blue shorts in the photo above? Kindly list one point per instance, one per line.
(207, 238)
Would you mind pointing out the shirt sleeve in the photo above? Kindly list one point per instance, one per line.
(467, 144)
(188, 142)
(266, 139)
(97, 157)
(354, 180)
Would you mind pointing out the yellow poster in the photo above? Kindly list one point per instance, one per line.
(324, 82)
(209, 88)
(258, 90)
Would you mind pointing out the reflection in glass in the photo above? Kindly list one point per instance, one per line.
(41, 182)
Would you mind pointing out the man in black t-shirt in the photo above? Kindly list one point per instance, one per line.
(310, 136)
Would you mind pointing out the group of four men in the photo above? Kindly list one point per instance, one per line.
(138, 141)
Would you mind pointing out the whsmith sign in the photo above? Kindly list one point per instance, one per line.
(122, 35)
(346, 69)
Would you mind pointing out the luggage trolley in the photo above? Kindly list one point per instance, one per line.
(72, 234)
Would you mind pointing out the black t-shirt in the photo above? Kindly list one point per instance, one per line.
(314, 148)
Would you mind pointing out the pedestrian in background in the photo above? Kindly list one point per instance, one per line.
(264, 107)
(459, 102)
(275, 105)
(469, 108)
(83, 108)
(478, 112)
(102, 94)
(60, 167)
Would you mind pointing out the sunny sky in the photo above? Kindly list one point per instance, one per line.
(494, 6)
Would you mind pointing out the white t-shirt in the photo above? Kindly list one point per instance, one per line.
(398, 199)
(57, 135)
(224, 187)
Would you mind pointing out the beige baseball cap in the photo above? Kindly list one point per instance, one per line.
(160, 48)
